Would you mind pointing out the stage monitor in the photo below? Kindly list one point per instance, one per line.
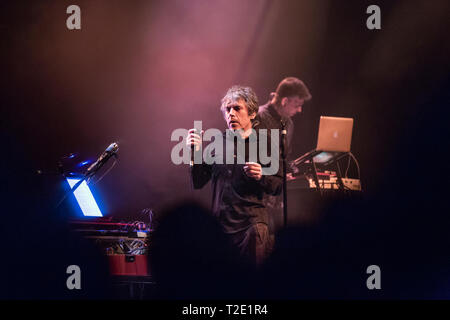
(84, 198)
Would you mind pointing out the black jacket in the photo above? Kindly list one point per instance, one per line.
(237, 199)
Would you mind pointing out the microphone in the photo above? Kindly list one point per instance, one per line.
(191, 163)
(283, 127)
(104, 157)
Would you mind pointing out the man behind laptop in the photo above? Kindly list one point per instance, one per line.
(239, 188)
(287, 101)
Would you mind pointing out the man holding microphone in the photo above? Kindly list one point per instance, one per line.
(239, 188)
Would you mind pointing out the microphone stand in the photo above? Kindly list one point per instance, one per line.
(192, 161)
(84, 177)
(72, 190)
(283, 156)
(191, 168)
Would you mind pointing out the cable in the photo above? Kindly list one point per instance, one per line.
(357, 165)
(315, 177)
(149, 212)
(340, 174)
(137, 247)
(139, 225)
(348, 166)
(109, 169)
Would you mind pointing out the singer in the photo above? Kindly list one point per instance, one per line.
(239, 189)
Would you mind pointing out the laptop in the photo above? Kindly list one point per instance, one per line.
(334, 138)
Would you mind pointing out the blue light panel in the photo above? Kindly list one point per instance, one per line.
(85, 198)
(323, 157)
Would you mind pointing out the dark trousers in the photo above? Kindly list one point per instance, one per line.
(254, 243)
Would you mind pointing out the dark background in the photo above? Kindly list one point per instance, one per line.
(138, 70)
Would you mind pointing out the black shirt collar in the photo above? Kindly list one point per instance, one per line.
(273, 112)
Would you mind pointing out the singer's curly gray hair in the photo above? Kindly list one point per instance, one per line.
(236, 93)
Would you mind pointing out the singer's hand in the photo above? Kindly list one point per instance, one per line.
(253, 170)
(194, 139)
